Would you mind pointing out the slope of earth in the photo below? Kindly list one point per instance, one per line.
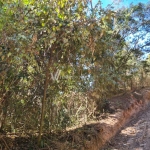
(134, 136)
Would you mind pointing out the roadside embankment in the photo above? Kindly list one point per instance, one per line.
(128, 106)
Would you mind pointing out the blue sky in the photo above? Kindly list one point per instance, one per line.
(121, 3)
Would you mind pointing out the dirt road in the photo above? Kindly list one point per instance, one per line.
(135, 135)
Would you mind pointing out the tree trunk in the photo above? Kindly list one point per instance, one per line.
(131, 84)
(44, 102)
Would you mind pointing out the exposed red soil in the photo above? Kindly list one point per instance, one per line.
(134, 136)
(126, 106)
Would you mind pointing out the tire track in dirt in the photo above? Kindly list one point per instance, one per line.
(135, 135)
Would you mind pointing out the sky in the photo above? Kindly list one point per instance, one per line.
(119, 3)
